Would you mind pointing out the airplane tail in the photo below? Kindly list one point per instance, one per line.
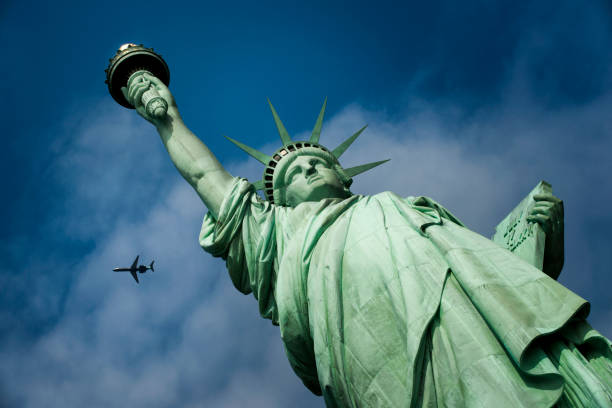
(151, 266)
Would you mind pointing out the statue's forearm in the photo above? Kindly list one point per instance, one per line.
(195, 162)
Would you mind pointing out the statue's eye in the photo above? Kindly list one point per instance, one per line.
(291, 175)
(316, 162)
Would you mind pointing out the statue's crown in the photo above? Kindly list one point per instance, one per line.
(279, 161)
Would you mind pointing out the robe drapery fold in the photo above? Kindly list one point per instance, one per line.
(390, 301)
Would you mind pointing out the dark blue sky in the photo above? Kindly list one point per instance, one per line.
(474, 103)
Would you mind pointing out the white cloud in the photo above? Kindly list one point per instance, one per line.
(185, 337)
(176, 339)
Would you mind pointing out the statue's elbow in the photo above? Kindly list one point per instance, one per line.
(194, 174)
(195, 178)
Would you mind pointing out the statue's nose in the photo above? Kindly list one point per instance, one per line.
(310, 170)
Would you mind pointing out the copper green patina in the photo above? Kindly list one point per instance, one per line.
(386, 301)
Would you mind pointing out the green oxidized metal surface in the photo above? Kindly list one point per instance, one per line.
(385, 301)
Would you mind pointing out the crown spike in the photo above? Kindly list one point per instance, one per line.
(316, 132)
(353, 171)
(256, 154)
(345, 145)
(284, 135)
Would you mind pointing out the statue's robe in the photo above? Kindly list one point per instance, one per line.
(385, 301)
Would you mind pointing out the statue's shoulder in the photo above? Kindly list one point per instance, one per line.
(428, 202)
(410, 200)
(384, 195)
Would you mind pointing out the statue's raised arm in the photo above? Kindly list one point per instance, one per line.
(190, 155)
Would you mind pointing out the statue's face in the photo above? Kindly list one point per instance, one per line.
(311, 178)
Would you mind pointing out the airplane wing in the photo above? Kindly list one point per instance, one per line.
(134, 275)
(135, 264)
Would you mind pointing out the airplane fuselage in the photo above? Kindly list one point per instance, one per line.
(141, 269)
(135, 268)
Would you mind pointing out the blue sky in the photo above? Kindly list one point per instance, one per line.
(474, 103)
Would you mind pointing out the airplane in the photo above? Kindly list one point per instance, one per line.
(134, 268)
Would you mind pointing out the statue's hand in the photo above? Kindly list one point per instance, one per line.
(134, 96)
(548, 213)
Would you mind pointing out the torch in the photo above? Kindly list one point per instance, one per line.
(127, 66)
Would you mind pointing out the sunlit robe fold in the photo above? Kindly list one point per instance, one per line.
(390, 301)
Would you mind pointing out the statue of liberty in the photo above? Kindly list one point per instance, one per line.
(385, 301)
